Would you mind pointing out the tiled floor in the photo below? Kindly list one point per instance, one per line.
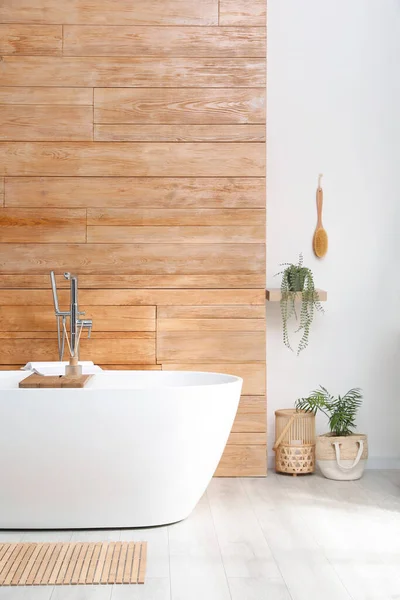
(279, 538)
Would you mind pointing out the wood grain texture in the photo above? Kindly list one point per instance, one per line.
(2, 195)
(143, 297)
(112, 351)
(51, 226)
(135, 192)
(18, 38)
(123, 12)
(46, 123)
(175, 234)
(179, 133)
(122, 159)
(46, 95)
(242, 12)
(136, 258)
(246, 439)
(106, 318)
(156, 281)
(243, 461)
(174, 217)
(164, 41)
(211, 312)
(130, 367)
(132, 72)
(210, 324)
(179, 106)
(204, 346)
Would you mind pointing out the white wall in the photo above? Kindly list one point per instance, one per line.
(334, 107)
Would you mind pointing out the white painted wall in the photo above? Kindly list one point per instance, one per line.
(334, 107)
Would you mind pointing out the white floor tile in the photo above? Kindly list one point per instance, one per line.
(258, 589)
(82, 592)
(153, 589)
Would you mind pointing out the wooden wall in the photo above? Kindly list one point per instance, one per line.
(133, 153)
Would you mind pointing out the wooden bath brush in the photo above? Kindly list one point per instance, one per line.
(320, 241)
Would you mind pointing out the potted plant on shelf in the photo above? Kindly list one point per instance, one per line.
(295, 279)
(340, 454)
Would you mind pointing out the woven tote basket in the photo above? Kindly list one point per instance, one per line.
(295, 442)
(342, 457)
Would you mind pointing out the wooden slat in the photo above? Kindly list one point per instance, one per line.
(104, 297)
(135, 563)
(62, 558)
(30, 39)
(93, 562)
(139, 258)
(16, 564)
(179, 133)
(142, 567)
(175, 235)
(46, 557)
(51, 564)
(249, 422)
(275, 295)
(161, 281)
(210, 324)
(46, 123)
(46, 95)
(29, 566)
(174, 217)
(95, 335)
(23, 564)
(65, 566)
(129, 562)
(7, 552)
(78, 564)
(114, 563)
(253, 374)
(104, 40)
(131, 158)
(132, 72)
(198, 347)
(243, 461)
(129, 367)
(211, 312)
(52, 225)
(105, 318)
(135, 192)
(100, 565)
(43, 548)
(86, 564)
(107, 563)
(242, 12)
(76, 549)
(12, 554)
(101, 351)
(123, 12)
(246, 439)
(119, 577)
(2, 196)
(179, 106)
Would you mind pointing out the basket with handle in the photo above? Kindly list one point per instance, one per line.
(294, 441)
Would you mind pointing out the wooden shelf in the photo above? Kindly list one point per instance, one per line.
(274, 295)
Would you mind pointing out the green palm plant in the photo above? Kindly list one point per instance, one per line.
(341, 410)
(297, 278)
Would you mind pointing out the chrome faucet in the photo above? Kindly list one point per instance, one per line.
(74, 314)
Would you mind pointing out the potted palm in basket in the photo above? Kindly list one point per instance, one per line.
(340, 454)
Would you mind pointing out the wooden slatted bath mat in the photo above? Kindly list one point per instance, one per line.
(80, 563)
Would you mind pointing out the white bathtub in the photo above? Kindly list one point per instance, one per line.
(132, 449)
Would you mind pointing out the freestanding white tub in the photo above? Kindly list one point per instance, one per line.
(131, 449)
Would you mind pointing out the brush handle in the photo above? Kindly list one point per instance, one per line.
(320, 199)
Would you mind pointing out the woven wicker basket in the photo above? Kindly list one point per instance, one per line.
(342, 457)
(295, 442)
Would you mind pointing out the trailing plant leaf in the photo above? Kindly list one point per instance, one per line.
(341, 411)
(297, 278)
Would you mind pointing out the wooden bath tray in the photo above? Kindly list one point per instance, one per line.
(54, 381)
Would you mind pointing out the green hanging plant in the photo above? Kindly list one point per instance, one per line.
(295, 279)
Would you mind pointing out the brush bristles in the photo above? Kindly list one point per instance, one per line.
(320, 243)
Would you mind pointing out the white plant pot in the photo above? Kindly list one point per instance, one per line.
(342, 457)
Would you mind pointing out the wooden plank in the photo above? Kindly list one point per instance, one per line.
(105, 318)
(76, 549)
(246, 439)
(164, 281)
(249, 422)
(86, 564)
(128, 564)
(17, 38)
(253, 374)
(132, 72)
(114, 563)
(42, 551)
(103, 40)
(143, 559)
(123, 12)
(242, 12)
(179, 106)
(29, 566)
(93, 562)
(135, 563)
(119, 577)
(229, 312)
(65, 566)
(107, 563)
(46, 95)
(52, 225)
(47, 556)
(138, 258)
(132, 158)
(95, 335)
(243, 461)
(105, 297)
(210, 324)
(129, 367)
(135, 192)
(50, 565)
(62, 559)
(46, 123)
(100, 564)
(101, 351)
(175, 235)
(2, 196)
(198, 347)
(22, 566)
(78, 564)
(174, 217)
(179, 133)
